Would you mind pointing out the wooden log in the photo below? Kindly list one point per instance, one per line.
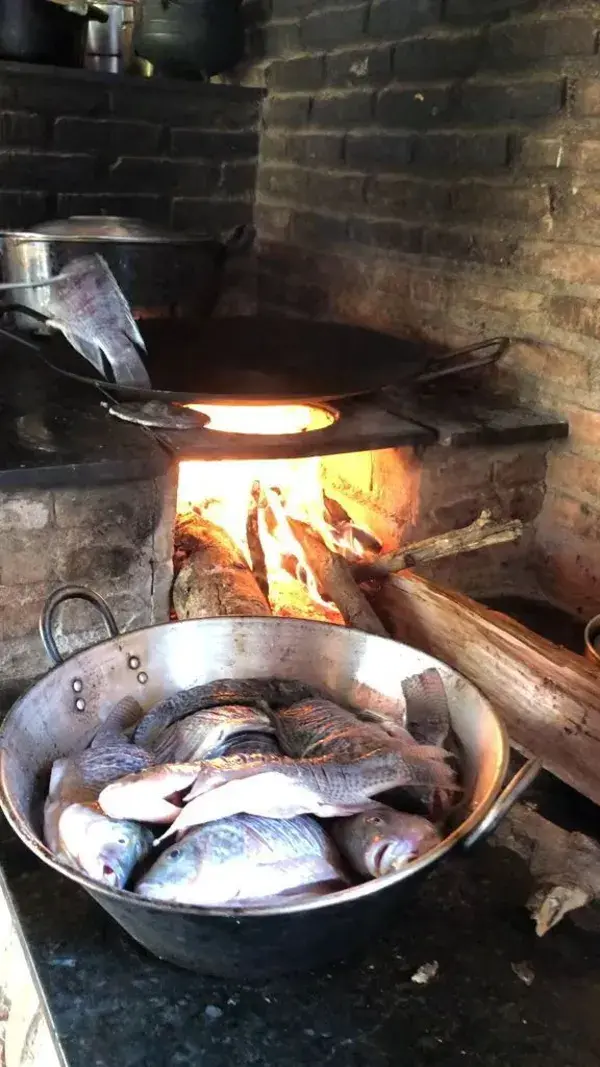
(482, 533)
(215, 579)
(334, 580)
(255, 546)
(548, 697)
(565, 865)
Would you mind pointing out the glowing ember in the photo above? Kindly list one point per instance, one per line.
(271, 419)
(223, 492)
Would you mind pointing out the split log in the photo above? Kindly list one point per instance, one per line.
(334, 580)
(482, 533)
(215, 579)
(255, 546)
(548, 697)
(565, 865)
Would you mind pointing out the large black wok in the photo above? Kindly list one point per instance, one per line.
(61, 713)
(258, 360)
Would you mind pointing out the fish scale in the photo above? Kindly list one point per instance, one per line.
(261, 693)
(246, 860)
(203, 734)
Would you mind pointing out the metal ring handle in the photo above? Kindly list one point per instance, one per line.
(503, 803)
(58, 597)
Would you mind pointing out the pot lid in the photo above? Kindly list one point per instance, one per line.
(105, 228)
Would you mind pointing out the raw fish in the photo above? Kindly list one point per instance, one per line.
(383, 840)
(204, 733)
(261, 693)
(244, 862)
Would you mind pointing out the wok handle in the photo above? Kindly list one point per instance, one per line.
(58, 597)
(502, 805)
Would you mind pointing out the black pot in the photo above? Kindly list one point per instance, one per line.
(190, 38)
(37, 31)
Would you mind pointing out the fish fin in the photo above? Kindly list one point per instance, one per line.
(124, 714)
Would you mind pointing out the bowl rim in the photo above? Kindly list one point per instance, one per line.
(125, 897)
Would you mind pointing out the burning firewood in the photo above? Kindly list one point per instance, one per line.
(548, 697)
(255, 547)
(335, 581)
(483, 533)
(565, 866)
(215, 579)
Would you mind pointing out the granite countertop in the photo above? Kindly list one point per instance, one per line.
(112, 1005)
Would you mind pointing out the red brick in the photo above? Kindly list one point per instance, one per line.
(585, 154)
(575, 263)
(587, 97)
(579, 475)
(582, 205)
(568, 572)
(520, 467)
(484, 199)
(571, 313)
(584, 426)
(572, 515)
(539, 152)
(496, 296)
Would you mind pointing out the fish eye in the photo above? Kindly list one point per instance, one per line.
(175, 854)
(374, 820)
(121, 841)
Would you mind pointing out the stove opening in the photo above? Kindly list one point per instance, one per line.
(266, 419)
(261, 515)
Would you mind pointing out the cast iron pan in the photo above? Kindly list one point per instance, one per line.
(262, 360)
(259, 360)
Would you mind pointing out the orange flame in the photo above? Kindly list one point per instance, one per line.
(222, 490)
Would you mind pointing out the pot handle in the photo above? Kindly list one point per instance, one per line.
(502, 805)
(58, 597)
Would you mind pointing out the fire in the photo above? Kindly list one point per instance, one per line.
(226, 491)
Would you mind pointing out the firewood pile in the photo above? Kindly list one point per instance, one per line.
(548, 697)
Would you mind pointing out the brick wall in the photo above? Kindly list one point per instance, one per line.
(117, 540)
(434, 169)
(76, 142)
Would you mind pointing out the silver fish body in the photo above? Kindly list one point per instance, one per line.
(87, 305)
(79, 833)
(261, 693)
(315, 728)
(75, 828)
(268, 786)
(105, 849)
(382, 841)
(427, 710)
(245, 861)
(203, 734)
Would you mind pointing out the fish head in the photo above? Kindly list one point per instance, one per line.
(105, 849)
(391, 839)
(174, 874)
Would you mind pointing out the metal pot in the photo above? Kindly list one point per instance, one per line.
(160, 271)
(591, 638)
(61, 713)
(36, 31)
(190, 38)
(109, 44)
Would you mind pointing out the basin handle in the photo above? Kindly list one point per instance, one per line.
(504, 802)
(58, 597)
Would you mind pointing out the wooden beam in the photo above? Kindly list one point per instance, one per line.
(548, 696)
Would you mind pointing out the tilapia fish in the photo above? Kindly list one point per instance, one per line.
(246, 861)
(269, 786)
(321, 728)
(383, 840)
(427, 711)
(75, 828)
(261, 693)
(204, 733)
